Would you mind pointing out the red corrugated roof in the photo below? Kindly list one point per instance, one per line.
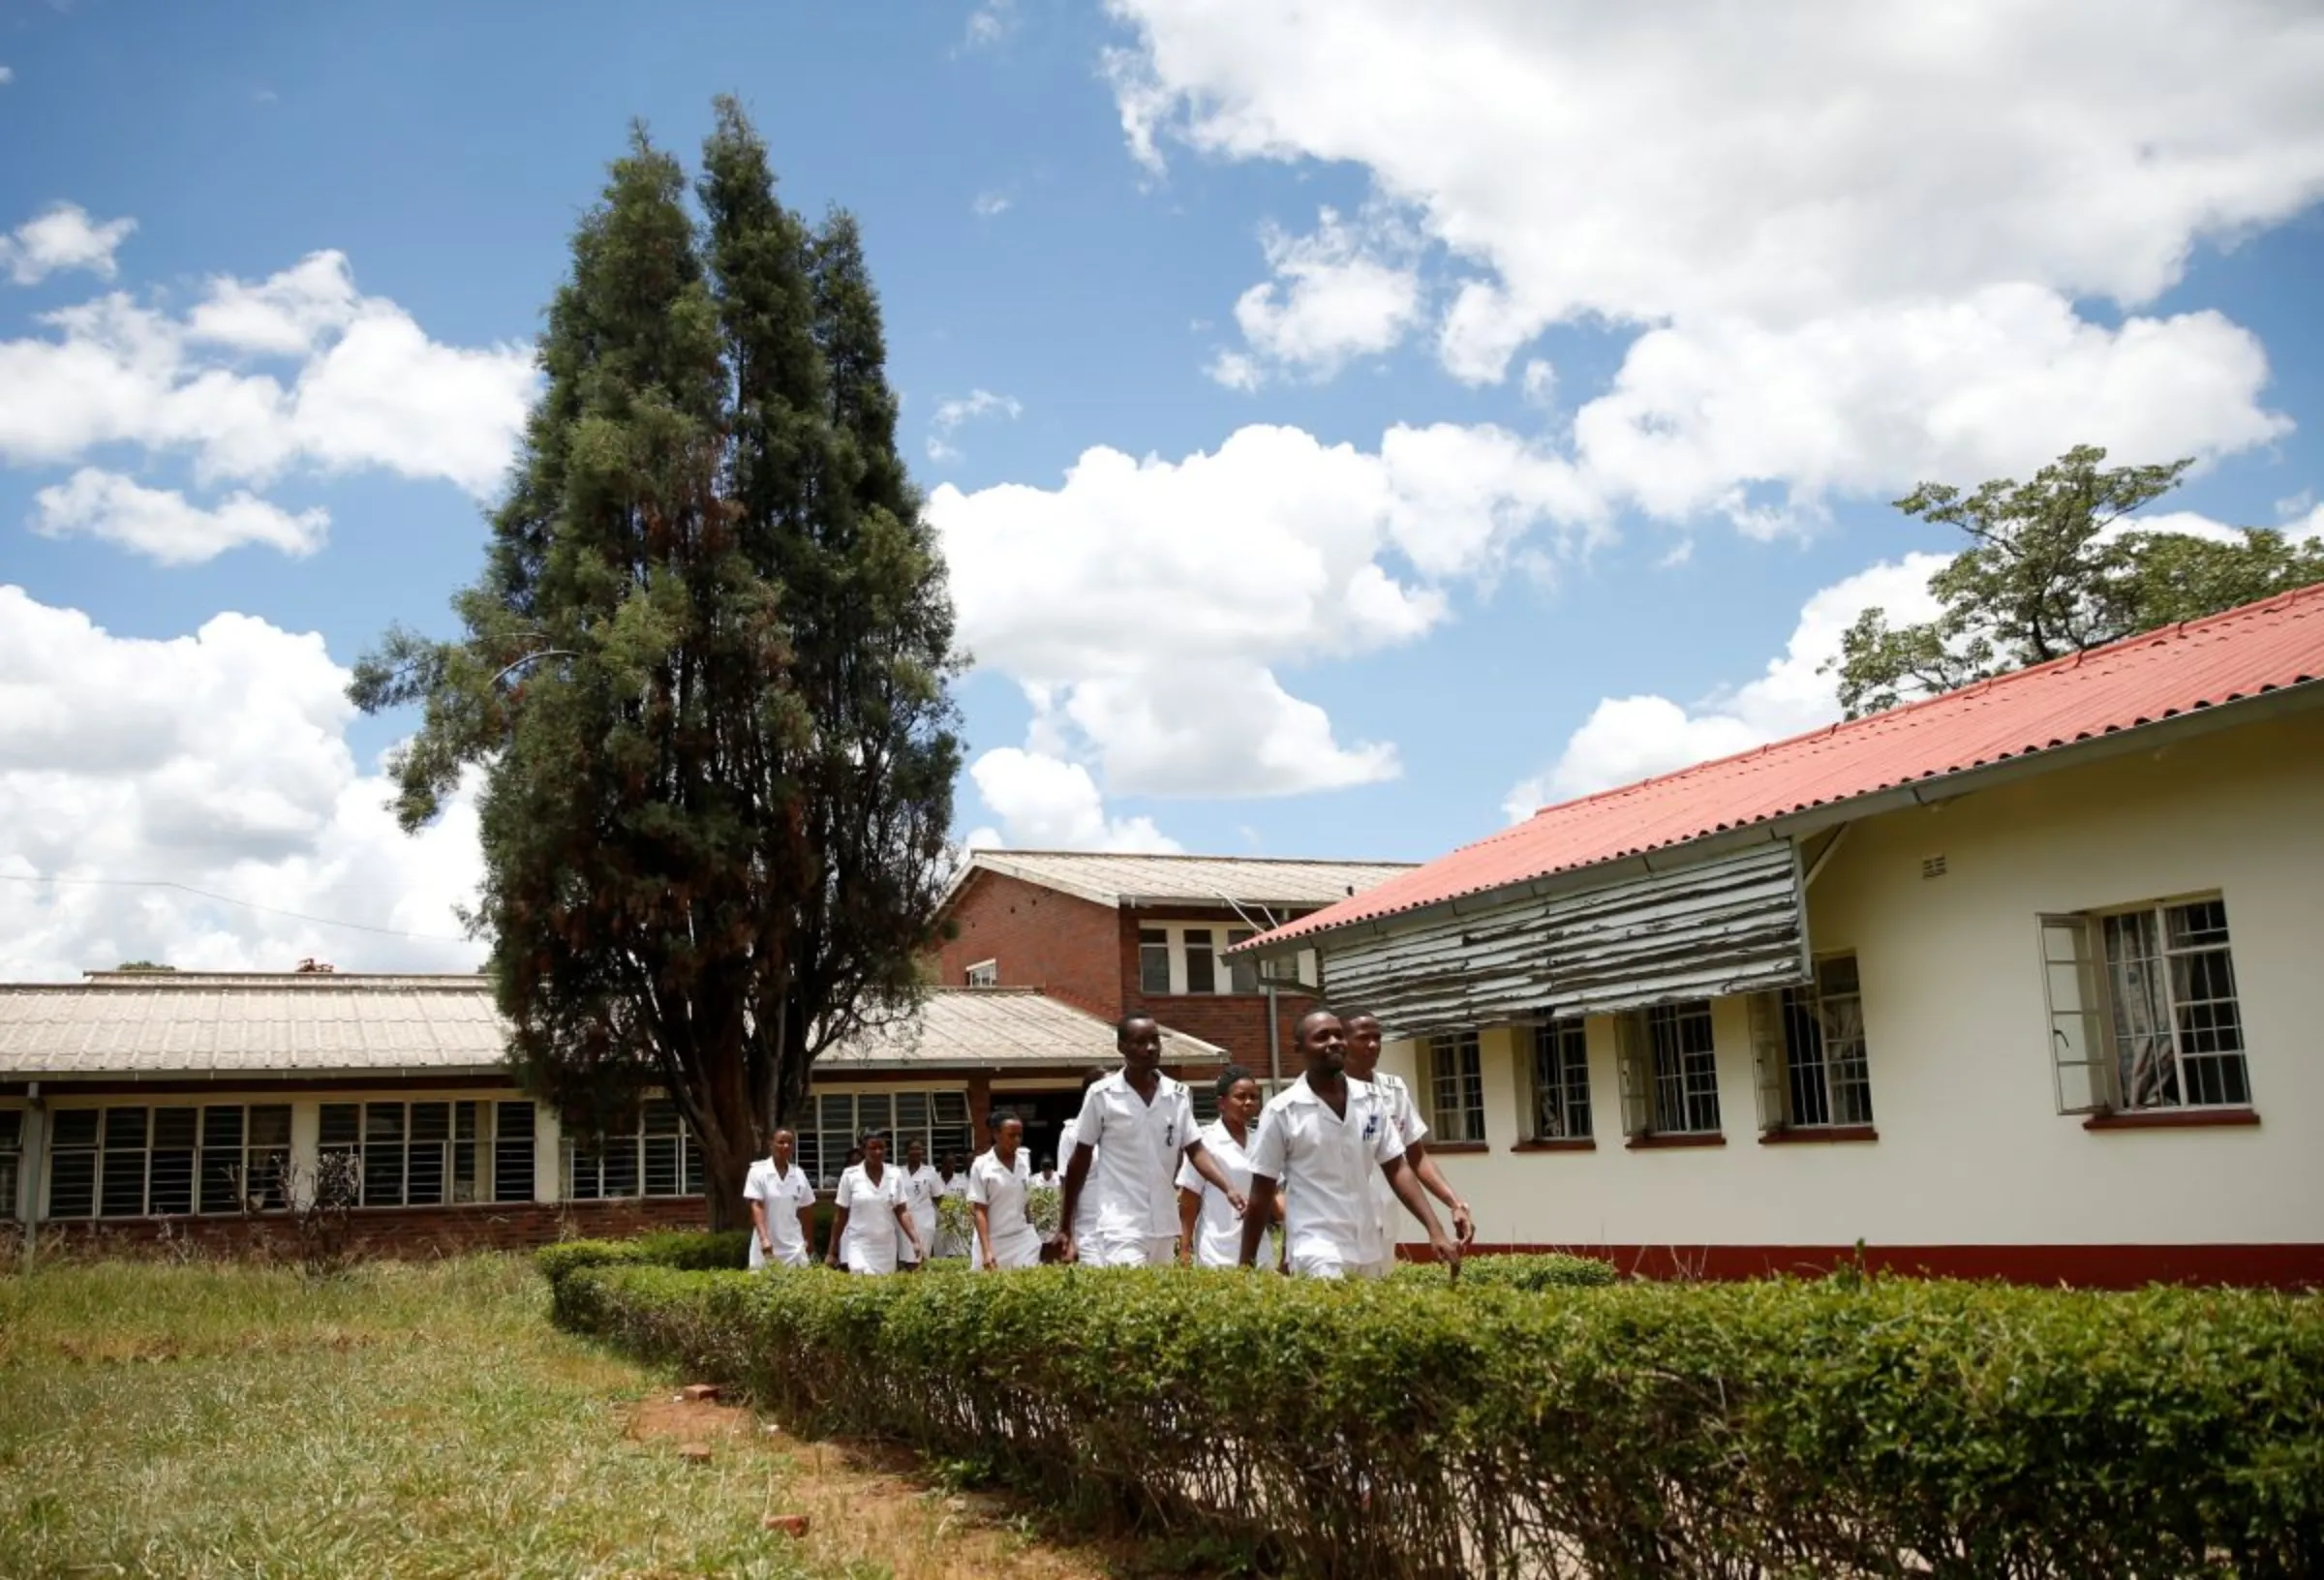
(2262, 646)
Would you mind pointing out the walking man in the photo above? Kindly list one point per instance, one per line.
(1136, 1126)
(1321, 1140)
(1394, 1098)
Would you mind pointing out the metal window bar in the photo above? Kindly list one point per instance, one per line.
(1457, 1088)
(1827, 1078)
(1561, 1081)
(2176, 1025)
(12, 1152)
(1686, 1068)
(514, 1140)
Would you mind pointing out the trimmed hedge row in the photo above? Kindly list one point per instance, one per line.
(1876, 1427)
(687, 1250)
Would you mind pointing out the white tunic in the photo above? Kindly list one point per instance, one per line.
(922, 1186)
(997, 1187)
(1130, 1191)
(1324, 1163)
(783, 1195)
(1217, 1230)
(1394, 1100)
(873, 1237)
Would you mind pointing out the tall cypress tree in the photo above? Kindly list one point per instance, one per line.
(705, 671)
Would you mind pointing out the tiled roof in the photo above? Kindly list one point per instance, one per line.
(181, 1025)
(2202, 664)
(1202, 880)
(156, 1025)
(996, 1028)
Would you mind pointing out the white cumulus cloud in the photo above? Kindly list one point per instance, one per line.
(951, 413)
(1149, 608)
(62, 239)
(1349, 288)
(366, 387)
(217, 762)
(1045, 803)
(165, 525)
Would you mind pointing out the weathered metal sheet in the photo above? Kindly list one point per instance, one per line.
(1732, 925)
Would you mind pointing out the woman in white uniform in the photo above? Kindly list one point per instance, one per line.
(1005, 1238)
(1210, 1229)
(781, 1201)
(872, 1218)
(922, 1187)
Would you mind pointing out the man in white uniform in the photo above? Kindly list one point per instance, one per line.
(782, 1196)
(1394, 1098)
(1135, 1128)
(1320, 1141)
(922, 1186)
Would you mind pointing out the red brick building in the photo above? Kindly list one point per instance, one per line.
(1118, 934)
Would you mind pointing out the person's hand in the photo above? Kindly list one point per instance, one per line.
(1185, 1253)
(832, 1261)
(1464, 1223)
(1447, 1252)
(1067, 1252)
(1238, 1201)
(766, 1246)
(992, 1262)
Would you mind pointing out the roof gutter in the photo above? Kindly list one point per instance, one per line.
(1929, 791)
(138, 1078)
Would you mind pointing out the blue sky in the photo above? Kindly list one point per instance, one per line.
(1461, 409)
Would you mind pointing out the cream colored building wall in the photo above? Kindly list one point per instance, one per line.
(1972, 1150)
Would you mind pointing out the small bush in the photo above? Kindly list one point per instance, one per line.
(1534, 1273)
(1886, 1427)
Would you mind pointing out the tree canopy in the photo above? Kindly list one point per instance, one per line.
(703, 678)
(2051, 568)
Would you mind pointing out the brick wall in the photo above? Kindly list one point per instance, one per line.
(1039, 938)
(1233, 1022)
(395, 1231)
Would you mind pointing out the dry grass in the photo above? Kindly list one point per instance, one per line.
(412, 1419)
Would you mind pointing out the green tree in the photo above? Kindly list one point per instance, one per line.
(705, 674)
(2050, 571)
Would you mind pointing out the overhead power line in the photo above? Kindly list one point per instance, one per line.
(248, 905)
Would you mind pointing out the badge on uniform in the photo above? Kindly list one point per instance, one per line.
(1371, 1127)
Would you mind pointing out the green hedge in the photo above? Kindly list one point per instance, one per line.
(1526, 1272)
(1876, 1427)
(687, 1250)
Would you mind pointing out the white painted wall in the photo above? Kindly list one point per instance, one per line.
(1972, 1150)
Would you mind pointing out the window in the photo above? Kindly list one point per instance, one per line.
(1561, 1082)
(1455, 1088)
(153, 1162)
(512, 1152)
(1153, 960)
(1813, 1070)
(655, 1156)
(12, 1149)
(1670, 1070)
(1202, 966)
(1243, 971)
(938, 1121)
(410, 1154)
(1183, 958)
(2143, 1010)
(984, 974)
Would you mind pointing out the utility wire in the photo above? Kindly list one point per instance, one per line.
(249, 905)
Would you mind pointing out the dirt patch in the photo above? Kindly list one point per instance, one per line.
(867, 1503)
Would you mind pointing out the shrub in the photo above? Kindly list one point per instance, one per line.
(1534, 1273)
(1880, 1427)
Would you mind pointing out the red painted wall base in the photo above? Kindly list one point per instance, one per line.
(2083, 1266)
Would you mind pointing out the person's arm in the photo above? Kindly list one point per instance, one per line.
(1076, 1174)
(1464, 1223)
(1261, 1213)
(1191, 1207)
(839, 1226)
(984, 1237)
(759, 1226)
(1199, 1160)
(912, 1230)
(1406, 1183)
(807, 1223)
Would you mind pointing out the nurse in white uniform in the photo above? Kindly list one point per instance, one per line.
(1320, 1141)
(1136, 1128)
(1005, 1237)
(780, 1198)
(922, 1186)
(1210, 1233)
(871, 1221)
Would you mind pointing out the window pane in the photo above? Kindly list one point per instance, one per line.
(122, 1188)
(659, 1118)
(1561, 1081)
(124, 1128)
(221, 1129)
(72, 1184)
(661, 1166)
(1201, 976)
(1457, 1088)
(1243, 971)
(175, 1127)
(382, 1122)
(695, 1174)
(1153, 960)
(512, 1152)
(872, 1113)
(2147, 1066)
(170, 1187)
(431, 1121)
(73, 1127)
(341, 1124)
(1685, 1097)
(620, 1166)
(12, 1129)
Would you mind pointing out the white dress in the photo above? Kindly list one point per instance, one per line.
(873, 1237)
(922, 1186)
(1217, 1232)
(1015, 1244)
(783, 1194)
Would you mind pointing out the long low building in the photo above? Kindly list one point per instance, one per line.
(2021, 980)
(176, 1104)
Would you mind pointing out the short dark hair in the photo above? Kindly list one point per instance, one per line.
(1231, 1075)
(1311, 1017)
(1001, 1116)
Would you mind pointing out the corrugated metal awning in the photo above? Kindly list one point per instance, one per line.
(1735, 924)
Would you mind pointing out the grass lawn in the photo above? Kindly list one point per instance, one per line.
(406, 1419)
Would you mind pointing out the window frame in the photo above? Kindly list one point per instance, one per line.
(480, 1168)
(1462, 1124)
(14, 1122)
(1232, 977)
(2096, 1011)
(625, 1166)
(947, 1126)
(1567, 1044)
(1643, 1082)
(983, 974)
(109, 1168)
(1792, 1048)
